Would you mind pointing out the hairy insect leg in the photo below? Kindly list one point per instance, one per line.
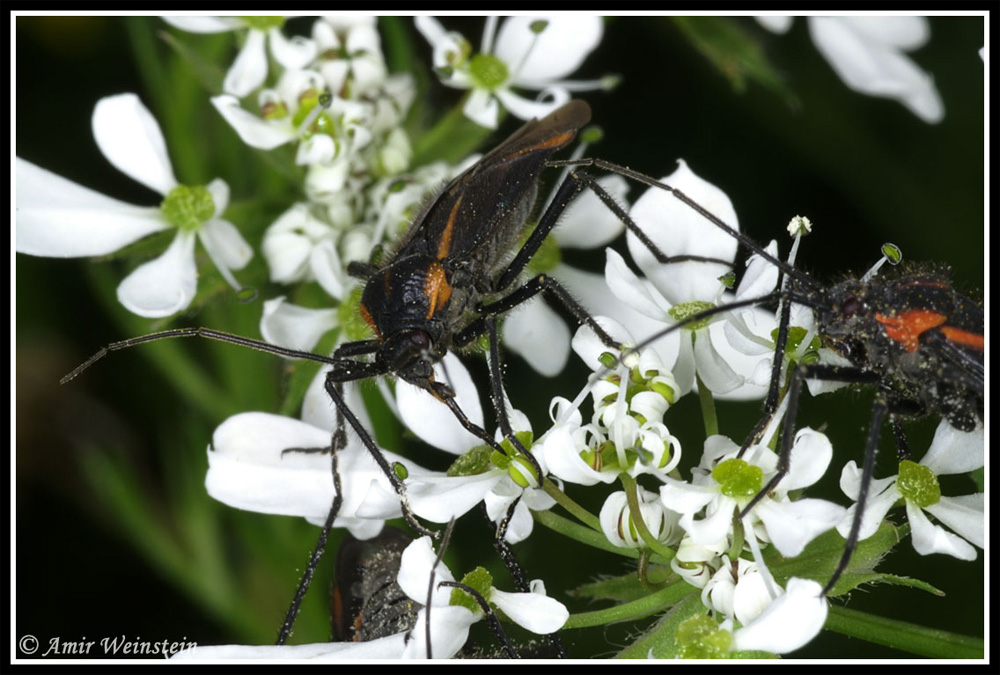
(349, 371)
(799, 375)
(867, 472)
(506, 554)
(337, 444)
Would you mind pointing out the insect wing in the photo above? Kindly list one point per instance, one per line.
(480, 213)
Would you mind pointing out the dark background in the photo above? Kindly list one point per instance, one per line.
(864, 169)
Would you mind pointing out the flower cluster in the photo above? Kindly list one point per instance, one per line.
(667, 321)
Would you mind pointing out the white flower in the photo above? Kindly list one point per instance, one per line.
(734, 482)
(58, 218)
(789, 622)
(531, 52)
(626, 433)
(249, 469)
(951, 452)
(671, 292)
(868, 53)
(737, 590)
(250, 67)
(618, 523)
(534, 611)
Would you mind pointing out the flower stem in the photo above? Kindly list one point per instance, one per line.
(631, 493)
(707, 408)
(582, 514)
(651, 604)
(905, 636)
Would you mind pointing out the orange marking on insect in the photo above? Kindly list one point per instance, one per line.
(907, 327)
(445, 245)
(367, 316)
(964, 337)
(554, 142)
(436, 287)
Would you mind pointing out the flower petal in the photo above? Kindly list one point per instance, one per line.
(165, 285)
(587, 222)
(528, 109)
(250, 67)
(60, 219)
(225, 245)
(441, 498)
(930, 538)
(255, 132)
(792, 525)
(676, 229)
(538, 613)
(449, 631)
(964, 515)
(630, 289)
(539, 335)
(537, 59)
(415, 566)
(431, 420)
(870, 65)
(293, 53)
(789, 622)
(482, 108)
(128, 135)
(953, 451)
(295, 327)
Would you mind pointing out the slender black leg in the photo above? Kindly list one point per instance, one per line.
(867, 471)
(337, 444)
(506, 554)
(799, 375)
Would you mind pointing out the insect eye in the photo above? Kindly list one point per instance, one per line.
(420, 339)
(850, 307)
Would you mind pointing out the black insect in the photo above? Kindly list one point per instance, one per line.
(366, 603)
(908, 332)
(443, 286)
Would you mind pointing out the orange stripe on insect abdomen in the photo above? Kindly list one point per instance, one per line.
(436, 287)
(907, 327)
(964, 337)
(445, 244)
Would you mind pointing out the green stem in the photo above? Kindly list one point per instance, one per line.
(651, 604)
(707, 408)
(632, 494)
(905, 636)
(584, 535)
(582, 514)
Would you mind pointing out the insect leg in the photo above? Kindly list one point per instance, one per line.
(348, 371)
(799, 375)
(337, 444)
(867, 471)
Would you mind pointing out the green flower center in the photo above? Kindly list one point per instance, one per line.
(478, 580)
(323, 123)
(738, 479)
(701, 638)
(918, 484)
(472, 463)
(187, 207)
(487, 71)
(685, 310)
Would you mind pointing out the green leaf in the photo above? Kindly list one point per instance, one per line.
(661, 638)
(625, 588)
(819, 559)
(734, 52)
(904, 636)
